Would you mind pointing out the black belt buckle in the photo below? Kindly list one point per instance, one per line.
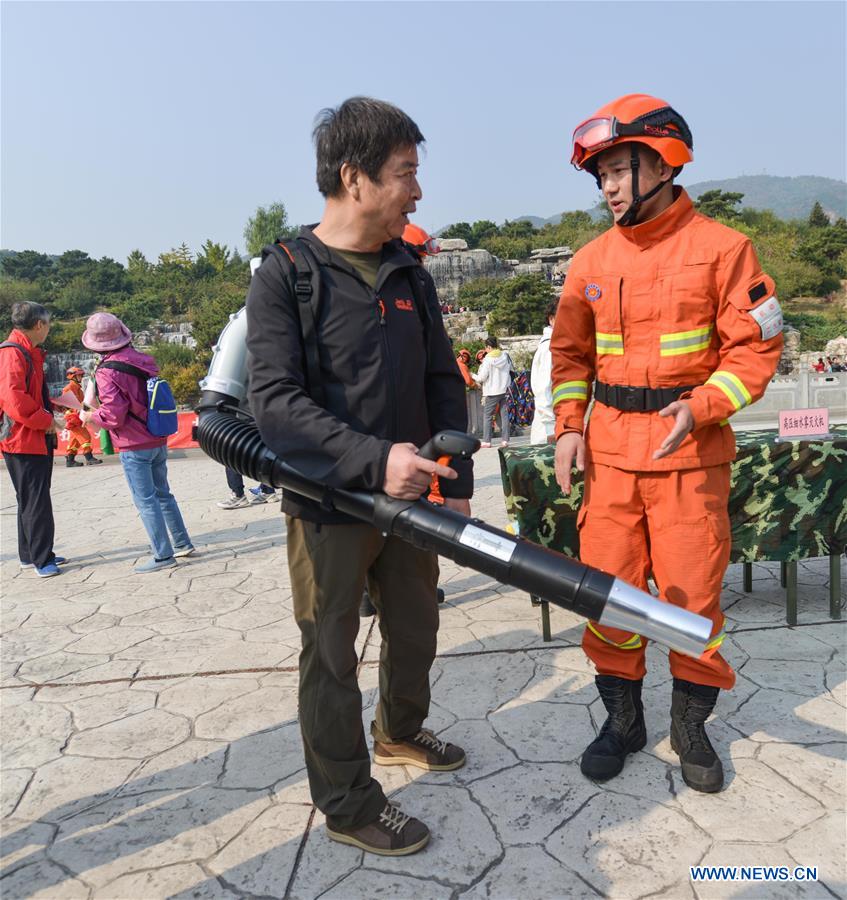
(632, 398)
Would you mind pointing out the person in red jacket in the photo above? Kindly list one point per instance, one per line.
(30, 436)
(669, 318)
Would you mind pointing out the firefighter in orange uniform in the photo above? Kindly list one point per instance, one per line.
(79, 440)
(670, 319)
(463, 360)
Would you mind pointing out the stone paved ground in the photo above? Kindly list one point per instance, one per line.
(151, 749)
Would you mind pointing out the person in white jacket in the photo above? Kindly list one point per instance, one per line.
(494, 375)
(541, 382)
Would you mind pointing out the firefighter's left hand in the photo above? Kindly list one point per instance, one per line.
(683, 425)
(457, 505)
(85, 415)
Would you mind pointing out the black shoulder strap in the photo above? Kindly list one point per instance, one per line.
(416, 279)
(126, 368)
(26, 353)
(306, 279)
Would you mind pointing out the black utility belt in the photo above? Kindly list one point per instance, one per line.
(637, 399)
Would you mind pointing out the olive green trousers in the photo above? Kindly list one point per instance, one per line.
(330, 566)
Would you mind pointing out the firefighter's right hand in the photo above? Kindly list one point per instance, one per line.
(570, 446)
(408, 475)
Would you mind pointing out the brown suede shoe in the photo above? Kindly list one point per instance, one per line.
(424, 750)
(392, 834)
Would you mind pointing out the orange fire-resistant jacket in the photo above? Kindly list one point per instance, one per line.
(72, 419)
(675, 301)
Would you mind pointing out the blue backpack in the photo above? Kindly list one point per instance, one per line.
(162, 419)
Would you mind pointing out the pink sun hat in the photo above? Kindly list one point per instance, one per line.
(105, 332)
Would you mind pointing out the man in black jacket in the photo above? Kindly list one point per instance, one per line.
(388, 382)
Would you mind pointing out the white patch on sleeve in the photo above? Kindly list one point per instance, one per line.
(768, 316)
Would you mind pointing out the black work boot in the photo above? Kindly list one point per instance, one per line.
(70, 461)
(622, 733)
(91, 460)
(691, 705)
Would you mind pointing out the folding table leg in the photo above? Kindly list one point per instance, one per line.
(545, 621)
(835, 585)
(791, 592)
(747, 572)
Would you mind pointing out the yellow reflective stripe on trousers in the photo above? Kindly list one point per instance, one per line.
(610, 344)
(633, 643)
(717, 640)
(732, 386)
(678, 342)
(570, 390)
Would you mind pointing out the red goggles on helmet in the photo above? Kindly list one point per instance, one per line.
(429, 247)
(601, 131)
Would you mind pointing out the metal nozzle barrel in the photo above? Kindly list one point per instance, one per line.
(630, 609)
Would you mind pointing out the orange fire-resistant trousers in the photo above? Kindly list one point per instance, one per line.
(79, 441)
(675, 526)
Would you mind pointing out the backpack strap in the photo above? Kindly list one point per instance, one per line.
(127, 369)
(27, 355)
(306, 280)
(416, 280)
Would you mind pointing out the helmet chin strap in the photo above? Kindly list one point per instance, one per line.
(630, 216)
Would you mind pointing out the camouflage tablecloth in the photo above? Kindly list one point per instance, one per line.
(788, 501)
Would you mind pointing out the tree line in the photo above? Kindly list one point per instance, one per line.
(806, 258)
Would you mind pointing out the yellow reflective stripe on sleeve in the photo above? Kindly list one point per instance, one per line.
(732, 386)
(570, 390)
(679, 342)
(609, 344)
(633, 643)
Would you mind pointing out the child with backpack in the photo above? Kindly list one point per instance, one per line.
(139, 411)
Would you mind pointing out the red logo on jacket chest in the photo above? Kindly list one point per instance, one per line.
(405, 305)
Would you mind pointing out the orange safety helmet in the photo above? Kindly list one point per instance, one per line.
(634, 118)
(420, 241)
(73, 371)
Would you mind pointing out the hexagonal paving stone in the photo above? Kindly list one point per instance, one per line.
(755, 802)
(528, 802)
(180, 881)
(261, 858)
(134, 737)
(544, 732)
(530, 873)
(33, 733)
(777, 716)
(65, 786)
(628, 846)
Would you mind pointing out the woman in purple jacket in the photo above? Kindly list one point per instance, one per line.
(144, 456)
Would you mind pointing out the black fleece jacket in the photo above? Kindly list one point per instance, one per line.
(386, 377)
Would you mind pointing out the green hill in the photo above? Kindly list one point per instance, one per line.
(788, 198)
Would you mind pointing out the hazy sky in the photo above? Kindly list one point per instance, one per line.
(135, 124)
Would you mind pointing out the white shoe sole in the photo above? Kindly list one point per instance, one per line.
(355, 842)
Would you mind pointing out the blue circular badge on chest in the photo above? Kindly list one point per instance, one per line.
(593, 292)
